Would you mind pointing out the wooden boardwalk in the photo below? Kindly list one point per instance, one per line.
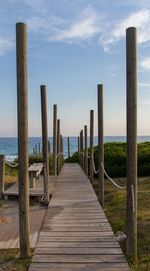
(76, 234)
(38, 191)
(9, 226)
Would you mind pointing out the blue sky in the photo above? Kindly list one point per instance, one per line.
(73, 45)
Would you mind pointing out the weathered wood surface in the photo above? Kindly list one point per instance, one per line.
(9, 227)
(36, 192)
(34, 172)
(36, 167)
(75, 234)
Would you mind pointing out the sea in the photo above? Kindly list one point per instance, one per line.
(9, 146)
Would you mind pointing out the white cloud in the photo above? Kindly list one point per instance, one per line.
(5, 45)
(145, 102)
(89, 24)
(86, 27)
(145, 64)
(140, 19)
(144, 85)
(45, 25)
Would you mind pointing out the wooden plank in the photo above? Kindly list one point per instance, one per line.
(75, 234)
(79, 266)
(36, 167)
(78, 250)
(77, 238)
(75, 229)
(77, 244)
(33, 192)
(55, 258)
(9, 229)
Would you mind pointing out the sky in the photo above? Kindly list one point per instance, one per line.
(73, 45)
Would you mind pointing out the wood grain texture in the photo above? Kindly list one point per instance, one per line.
(75, 234)
(38, 191)
(9, 227)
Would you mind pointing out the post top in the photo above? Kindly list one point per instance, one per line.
(21, 24)
(100, 88)
(131, 28)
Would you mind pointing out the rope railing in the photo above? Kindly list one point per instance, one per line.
(94, 168)
(110, 179)
(46, 178)
(11, 165)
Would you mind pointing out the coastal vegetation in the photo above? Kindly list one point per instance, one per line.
(115, 199)
(115, 159)
(115, 209)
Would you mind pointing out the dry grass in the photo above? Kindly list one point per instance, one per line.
(115, 206)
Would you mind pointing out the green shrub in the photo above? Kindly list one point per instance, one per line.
(115, 159)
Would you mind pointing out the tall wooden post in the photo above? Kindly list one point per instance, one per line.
(82, 154)
(80, 158)
(36, 148)
(2, 175)
(85, 151)
(39, 148)
(22, 105)
(55, 139)
(58, 145)
(68, 146)
(100, 145)
(49, 147)
(61, 150)
(45, 144)
(91, 144)
(131, 69)
(79, 149)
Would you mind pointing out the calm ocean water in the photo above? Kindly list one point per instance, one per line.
(8, 145)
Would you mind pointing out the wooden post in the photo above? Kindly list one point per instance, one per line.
(39, 148)
(22, 105)
(36, 148)
(32, 179)
(49, 147)
(2, 175)
(61, 150)
(85, 151)
(55, 139)
(100, 145)
(91, 144)
(58, 146)
(45, 144)
(68, 146)
(80, 149)
(82, 154)
(78, 138)
(131, 69)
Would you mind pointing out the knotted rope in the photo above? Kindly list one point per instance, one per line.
(110, 179)
(11, 165)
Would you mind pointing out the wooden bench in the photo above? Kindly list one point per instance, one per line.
(34, 172)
